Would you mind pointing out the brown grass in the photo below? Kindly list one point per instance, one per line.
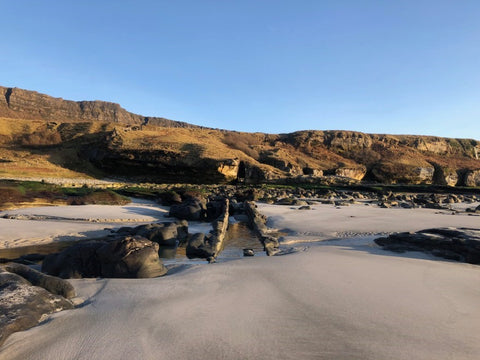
(36, 149)
(245, 142)
(19, 194)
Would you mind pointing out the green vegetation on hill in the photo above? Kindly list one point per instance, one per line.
(23, 193)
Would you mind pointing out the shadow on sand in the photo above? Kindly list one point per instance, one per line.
(374, 249)
(57, 244)
(159, 214)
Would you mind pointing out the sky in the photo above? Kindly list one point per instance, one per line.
(276, 66)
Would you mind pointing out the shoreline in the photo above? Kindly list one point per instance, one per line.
(340, 298)
(72, 226)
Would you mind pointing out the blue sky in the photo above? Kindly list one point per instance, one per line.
(379, 66)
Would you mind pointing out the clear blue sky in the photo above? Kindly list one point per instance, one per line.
(381, 66)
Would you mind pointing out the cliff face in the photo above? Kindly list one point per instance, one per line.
(395, 158)
(24, 104)
(106, 138)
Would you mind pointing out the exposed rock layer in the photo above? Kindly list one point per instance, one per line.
(103, 136)
(26, 104)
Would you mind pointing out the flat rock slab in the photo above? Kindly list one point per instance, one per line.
(23, 305)
(461, 244)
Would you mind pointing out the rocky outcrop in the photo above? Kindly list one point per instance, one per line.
(393, 172)
(357, 173)
(258, 223)
(22, 304)
(254, 174)
(345, 140)
(107, 139)
(209, 246)
(312, 172)
(199, 247)
(459, 244)
(164, 234)
(25, 104)
(229, 169)
(445, 176)
(472, 178)
(220, 226)
(388, 158)
(127, 257)
(191, 209)
(144, 165)
(279, 160)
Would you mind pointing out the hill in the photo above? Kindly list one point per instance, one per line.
(42, 136)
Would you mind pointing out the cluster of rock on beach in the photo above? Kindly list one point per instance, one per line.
(27, 295)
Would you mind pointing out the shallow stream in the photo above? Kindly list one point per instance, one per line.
(239, 237)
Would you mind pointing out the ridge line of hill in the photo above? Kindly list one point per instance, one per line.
(53, 137)
(27, 104)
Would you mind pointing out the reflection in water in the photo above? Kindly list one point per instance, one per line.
(42, 249)
(239, 236)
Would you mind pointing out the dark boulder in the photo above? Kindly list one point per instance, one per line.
(130, 257)
(165, 234)
(75, 262)
(52, 284)
(199, 246)
(193, 209)
(170, 197)
(127, 257)
(209, 246)
(215, 208)
(182, 231)
(305, 207)
(248, 252)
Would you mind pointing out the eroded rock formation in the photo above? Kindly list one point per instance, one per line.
(105, 138)
(26, 104)
(126, 257)
(472, 178)
(210, 245)
(26, 302)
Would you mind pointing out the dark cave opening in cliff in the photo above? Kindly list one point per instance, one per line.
(241, 172)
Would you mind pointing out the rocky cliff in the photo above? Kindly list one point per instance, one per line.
(102, 139)
(24, 104)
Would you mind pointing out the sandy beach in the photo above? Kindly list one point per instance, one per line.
(339, 299)
(41, 225)
(325, 222)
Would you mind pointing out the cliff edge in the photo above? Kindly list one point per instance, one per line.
(51, 136)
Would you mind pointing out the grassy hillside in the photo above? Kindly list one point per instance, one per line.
(94, 149)
(41, 136)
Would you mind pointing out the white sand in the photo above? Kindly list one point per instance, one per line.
(327, 221)
(77, 222)
(338, 300)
